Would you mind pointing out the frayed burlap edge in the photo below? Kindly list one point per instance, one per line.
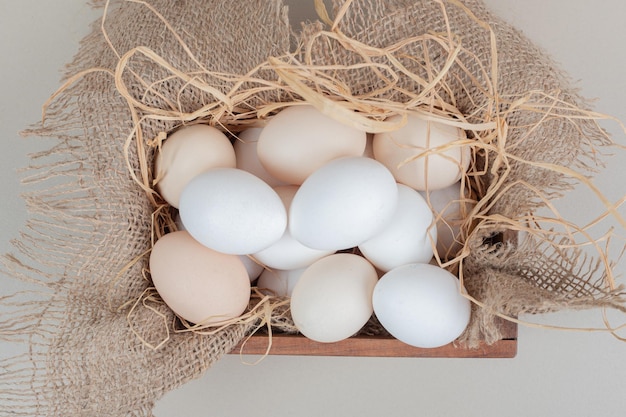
(82, 211)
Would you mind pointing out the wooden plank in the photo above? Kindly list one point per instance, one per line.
(376, 346)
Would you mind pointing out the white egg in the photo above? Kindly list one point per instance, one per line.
(402, 152)
(451, 210)
(300, 139)
(247, 158)
(342, 204)
(408, 238)
(288, 253)
(232, 211)
(333, 298)
(188, 152)
(253, 268)
(279, 282)
(421, 305)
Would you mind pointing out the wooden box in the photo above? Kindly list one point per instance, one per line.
(377, 346)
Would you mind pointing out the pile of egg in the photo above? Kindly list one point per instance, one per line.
(284, 206)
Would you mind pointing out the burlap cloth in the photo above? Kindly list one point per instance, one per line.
(92, 353)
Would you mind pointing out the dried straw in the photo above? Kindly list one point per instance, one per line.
(296, 78)
(448, 61)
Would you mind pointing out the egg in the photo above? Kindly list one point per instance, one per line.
(300, 139)
(188, 152)
(232, 211)
(401, 152)
(421, 305)
(247, 157)
(199, 284)
(278, 282)
(408, 238)
(288, 253)
(253, 268)
(451, 209)
(333, 297)
(344, 203)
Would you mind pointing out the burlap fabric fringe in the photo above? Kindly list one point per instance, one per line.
(101, 342)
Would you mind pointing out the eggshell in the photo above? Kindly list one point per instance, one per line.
(279, 282)
(252, 267)
(408, 238)
(300, 139)
(333, 298)
(232, 211)
(288, 253)
(401, 150)
(342, 204)
(247, 158)
(188, 152)
(199, 284)
(450, 209)
(421, 305)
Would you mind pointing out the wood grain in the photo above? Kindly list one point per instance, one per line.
(376, 346)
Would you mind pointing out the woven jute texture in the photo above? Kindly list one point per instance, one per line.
(92, 351)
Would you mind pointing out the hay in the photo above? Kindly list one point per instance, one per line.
(97, 318)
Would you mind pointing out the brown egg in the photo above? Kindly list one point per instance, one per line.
(403, 153)
(300, 139)
(187, 152)
(199, 284)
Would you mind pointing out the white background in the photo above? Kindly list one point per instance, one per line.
(555, 373)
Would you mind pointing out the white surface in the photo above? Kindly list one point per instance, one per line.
(554, 374)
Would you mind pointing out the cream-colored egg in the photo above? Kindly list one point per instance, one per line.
(288, 253)
(333, 297)
(200, 285)
(279, 283)
(421, 305)
(188, 152)
(300, 139)
(247, 157)
(402, 152)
